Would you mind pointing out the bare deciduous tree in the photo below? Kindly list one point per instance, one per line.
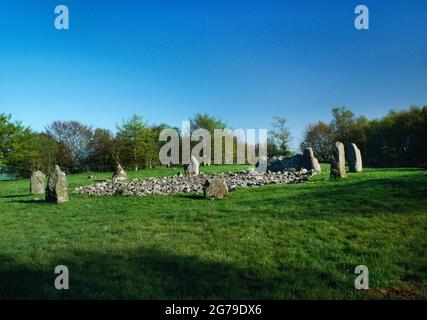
(74, 136)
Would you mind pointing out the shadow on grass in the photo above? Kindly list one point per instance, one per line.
(30, 201)
(15, 196)
(343, 197)
(153, 274)
(192, 196)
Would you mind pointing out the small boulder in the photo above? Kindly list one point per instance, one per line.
(215, 189)
(37, 182)
(57, 187)
(120, 174)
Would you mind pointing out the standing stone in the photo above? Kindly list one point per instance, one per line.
(261, 165)
(193, 167)
(215, 189)
(338, 161)
(37, 182)
(309, 161)
(354, 158)
(120, 174)
(57, 187)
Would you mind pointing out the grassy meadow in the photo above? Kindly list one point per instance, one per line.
(300, 241)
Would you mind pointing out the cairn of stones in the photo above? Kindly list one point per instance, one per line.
(57, 187)
(119, 175)
(180, 184)
(37, 182)
(338, 161)
(215, 189)
(193, 167)
(354, 158)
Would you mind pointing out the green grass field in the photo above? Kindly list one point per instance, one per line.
(272, 242)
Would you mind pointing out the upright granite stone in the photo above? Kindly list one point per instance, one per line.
(57, 187)
(309, 161)
(338, 161)
(261, 165)
(120, 174)
(37, 182)
(193, 167)
(215, 189)
(354, 158)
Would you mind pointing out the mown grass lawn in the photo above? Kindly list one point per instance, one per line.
(271, 242)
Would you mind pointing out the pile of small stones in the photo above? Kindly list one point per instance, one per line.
(192, 183)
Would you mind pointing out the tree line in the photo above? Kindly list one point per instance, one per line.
(395, 140)
(77, 147)
(398, 139)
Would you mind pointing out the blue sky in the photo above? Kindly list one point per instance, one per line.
(243, 61)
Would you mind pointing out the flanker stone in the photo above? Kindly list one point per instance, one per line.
(120, 174)
(354, 158)
(37, 182)
(57, 187)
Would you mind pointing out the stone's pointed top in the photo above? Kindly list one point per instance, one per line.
(310, 162)
(120, 174)
(57, 187)
(193, 167)
(354, 158)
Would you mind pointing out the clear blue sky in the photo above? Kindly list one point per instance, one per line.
(243, 61)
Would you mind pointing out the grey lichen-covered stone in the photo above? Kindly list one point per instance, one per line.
(215, 189)
(193, 167)
(309, 161)
(338, 161)
(276, 164)
(354, 158)
(119, 175)
(37, 182)
(57, 187)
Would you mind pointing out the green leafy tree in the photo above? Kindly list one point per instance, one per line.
(342, 124)
(280, 135)
(18, 147)
(101, 151)
(133, 142)
(320, 138)
(208, 122)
